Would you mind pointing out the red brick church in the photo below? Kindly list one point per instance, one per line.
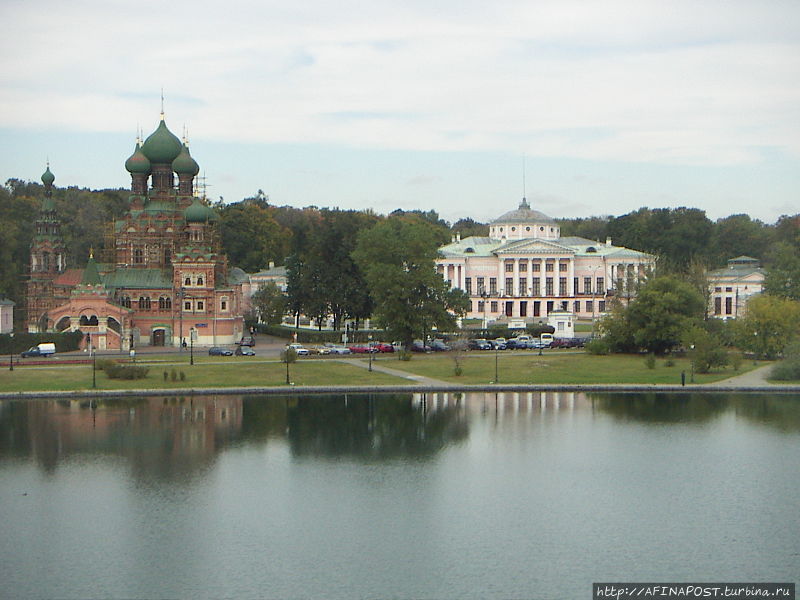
(166, 279)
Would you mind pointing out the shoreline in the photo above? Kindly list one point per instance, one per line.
(292, 390)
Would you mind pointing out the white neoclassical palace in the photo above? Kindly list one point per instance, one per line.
(526, 270)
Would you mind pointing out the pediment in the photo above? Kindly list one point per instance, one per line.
(534, 246)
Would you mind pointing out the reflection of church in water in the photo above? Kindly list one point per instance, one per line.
(163, 276)
(157, 433)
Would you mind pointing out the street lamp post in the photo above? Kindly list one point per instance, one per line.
(180, 319)
(191, 347)
(369, 348)
(496, 358)
(484, 296)
(94, 369)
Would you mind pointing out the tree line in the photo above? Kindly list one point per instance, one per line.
(331, 254)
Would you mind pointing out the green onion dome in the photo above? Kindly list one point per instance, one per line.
(162, 146)
(138, 162)
(197, 212)
(47, 177)
(185, 164)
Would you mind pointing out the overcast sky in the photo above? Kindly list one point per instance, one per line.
(410, 104)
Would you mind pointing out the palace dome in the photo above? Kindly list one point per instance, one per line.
(524, 214)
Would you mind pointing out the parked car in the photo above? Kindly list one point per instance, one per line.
(383, 347)
(499, 343)
(41, 350)
(338, 349)
(219, 351)
(479, 344)
(299, 349)
(420, 346)
(361, 349)
(321, 350)
(244, 351)
(247, 340)
(439, 346)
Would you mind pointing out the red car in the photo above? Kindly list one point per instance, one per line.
(381, 347)
(361, 349)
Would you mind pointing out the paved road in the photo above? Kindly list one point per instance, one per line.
(755, 378)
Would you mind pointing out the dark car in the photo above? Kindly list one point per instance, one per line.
(244, 351)
(418, 346)
(247, 340)
(439, 346)
(218, 351)
(479, 344)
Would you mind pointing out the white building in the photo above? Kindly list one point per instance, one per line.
(6, 316)
(732, 287)
(526, 270)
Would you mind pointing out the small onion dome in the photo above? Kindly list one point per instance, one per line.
(197, 212)
(47, 177)
(162, 146)
(138, 162)
(185, 164)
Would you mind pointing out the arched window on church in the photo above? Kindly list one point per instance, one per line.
(200, 280)
(164, 303)
(187, 281)
(125, 301)
(138, 256)
(144, 303)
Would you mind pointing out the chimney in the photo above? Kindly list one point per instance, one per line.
(608, 241)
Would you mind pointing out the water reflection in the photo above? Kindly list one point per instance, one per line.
(163, 436)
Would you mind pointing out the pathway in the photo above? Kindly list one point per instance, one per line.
(421, 379)
(755, 378)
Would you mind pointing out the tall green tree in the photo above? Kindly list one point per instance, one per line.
(251, 235)
(770, 324)
(783, 271)
(397, 257)
(665, 308)
(270, 302)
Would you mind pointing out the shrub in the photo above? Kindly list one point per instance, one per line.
(669, 363)
(789, 368)
(117, 371)
(736, 359)
(404, 355)
(183, 376)
(173, 375)
(650, 361)
(101, 364)
(597, 346)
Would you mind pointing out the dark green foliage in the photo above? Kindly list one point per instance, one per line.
(789, 368)
(101, 364)
(270, 302)
(118, 371)
(250, 234)
(411, 298)
(705, 350)
(468, 228)
(65, 342)
(783, 271)
(650, 361)
(598, 346)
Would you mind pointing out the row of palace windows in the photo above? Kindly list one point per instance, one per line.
(193, 280)
(535, 289)
(536, 266)
(508, 307)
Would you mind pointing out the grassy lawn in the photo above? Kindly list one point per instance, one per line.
(553, 367)
(208, 371)
(557, 367)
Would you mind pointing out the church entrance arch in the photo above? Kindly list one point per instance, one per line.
(159, 337)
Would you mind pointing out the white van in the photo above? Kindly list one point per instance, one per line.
(42, 350)
(545, 340)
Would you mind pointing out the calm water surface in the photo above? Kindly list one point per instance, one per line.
(437, 496)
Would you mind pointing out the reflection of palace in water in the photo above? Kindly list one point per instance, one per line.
(505, 402)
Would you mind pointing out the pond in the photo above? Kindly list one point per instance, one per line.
(508, 495)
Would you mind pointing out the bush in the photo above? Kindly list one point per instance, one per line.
(404, 355)
(101, 364)
(597, 346)
(117, 371)
(789, 368)
(650, 361)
